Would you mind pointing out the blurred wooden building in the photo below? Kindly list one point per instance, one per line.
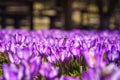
(60, 14)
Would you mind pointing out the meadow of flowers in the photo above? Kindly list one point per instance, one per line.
(59, 55)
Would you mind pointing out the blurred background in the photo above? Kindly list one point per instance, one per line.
(60, 14)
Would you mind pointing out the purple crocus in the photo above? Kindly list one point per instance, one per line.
(51, 59)
(31, 67)
(12, 72)
(19, 38)
(24, 53)
(113, 55)
(48, 71)
(110, 72)
(90, 75)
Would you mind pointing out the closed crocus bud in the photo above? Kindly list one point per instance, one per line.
(62, 55)
(75, 48)
(10, 56)
(28, 39)
(93, 43)
(13, 47)
(8, 46)
(16, 59)
(19, 38)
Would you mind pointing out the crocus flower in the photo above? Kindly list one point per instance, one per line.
(91, 75)
(12, 72)
(48, 71)
(51, 59)
(110, 72)
(31, 67)
(24, 53)
(19, 38)
(113, 54)
(34, 64)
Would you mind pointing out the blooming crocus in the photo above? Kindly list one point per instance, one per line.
(90, 75)
(110, 72)
(113, 55)
(24, 53)
(34, 64)
(48, 71)
(12, 72)
(51, 59)
(94, 56)
(31, 67)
